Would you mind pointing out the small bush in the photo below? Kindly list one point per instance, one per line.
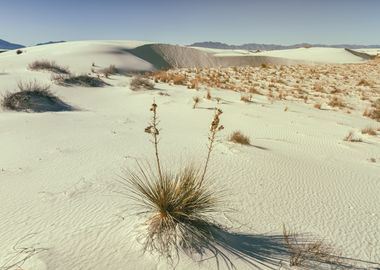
(179, 79)
(318, 106)
(111, 70)
(303, 253)
(79, 80)
(208, 95)
(375, 113)
(369, 131)
(34, 97)
(364, 82)
(196, 100)
(140, 82)
(336, 102)
(49, 66)
(240, 138)
(246, 98)
(19, 52)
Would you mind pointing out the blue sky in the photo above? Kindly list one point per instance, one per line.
(184, 22)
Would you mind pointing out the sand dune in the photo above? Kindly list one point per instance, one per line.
(143, 56)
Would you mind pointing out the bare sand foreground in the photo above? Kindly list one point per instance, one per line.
(313, 162)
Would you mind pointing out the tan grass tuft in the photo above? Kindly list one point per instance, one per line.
(240, 138)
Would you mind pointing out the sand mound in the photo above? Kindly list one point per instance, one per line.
(164, 56)
(363, 55)
(35, 101)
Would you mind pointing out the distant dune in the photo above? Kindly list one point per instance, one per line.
(5, 45)
(266, 47)
(142, 56)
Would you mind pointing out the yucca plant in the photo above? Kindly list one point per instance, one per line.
(178, 205)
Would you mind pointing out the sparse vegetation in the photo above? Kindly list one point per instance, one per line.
(246, 97)
(208, 95)
(139, 83)
(364, 82)
(240, 138)
(178, 204)
(336, 101)
(303, 253)
(18, 52)
(352, 138)
(196, 100)
(111, 70)
(370, 131)
(375, 113)
(79, 80)
(34, 97)
(49, 66)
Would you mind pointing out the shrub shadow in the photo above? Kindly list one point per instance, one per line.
(258, 251)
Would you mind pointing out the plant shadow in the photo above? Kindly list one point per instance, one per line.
(258, 251)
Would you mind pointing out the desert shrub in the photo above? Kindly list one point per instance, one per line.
(34, 97)
(208, 94)
(375, 113)
(318, 106)
(303, 253)
(178, 204)
(240, 138)
(336, 101)
(79, 80)
(161, 76)
(19, 52)
(196, 101)
(364, 82)
(194, 84)
(369, 131)
(246, 98)
(111, 70)
(140, 82)
(49, 66)
(179, 79)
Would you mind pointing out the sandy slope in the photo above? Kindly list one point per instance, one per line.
(58, 171)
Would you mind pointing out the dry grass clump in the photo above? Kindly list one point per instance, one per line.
(139, 83)
(303, 253)
(179, 79)
(246, 98)
(317, 106)
(18, 52)
(352, 138)
(375, 113)
(208, 94)
(336, 101)
(364, 82)
(34, 97)
(111, 70)
(79, 80)
(161, 76)
(163, 94)
(196, 100)
(178, 204)
(240, 138)
(49, 66)
(370, 131)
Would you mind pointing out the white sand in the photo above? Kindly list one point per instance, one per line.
(58, 171)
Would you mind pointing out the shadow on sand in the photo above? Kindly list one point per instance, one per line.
(258, 251)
